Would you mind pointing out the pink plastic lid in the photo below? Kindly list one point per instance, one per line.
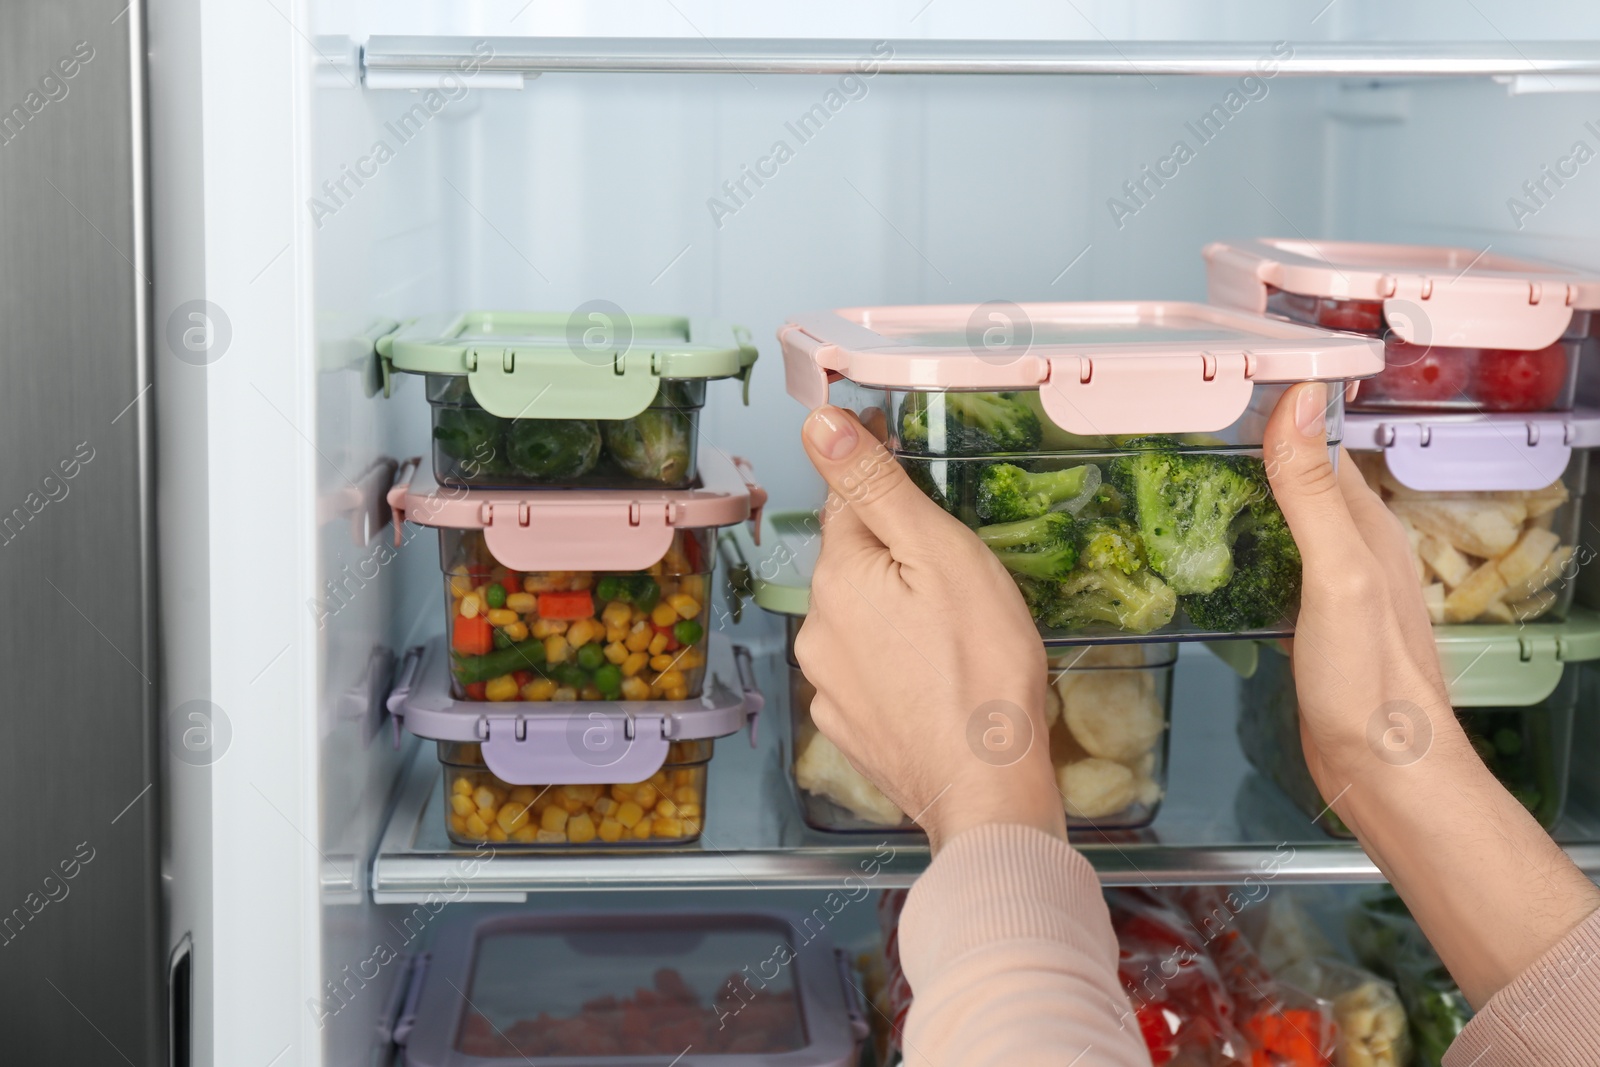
(584, 529)
(1452, 297)
(1100, 368)
(1475, 452)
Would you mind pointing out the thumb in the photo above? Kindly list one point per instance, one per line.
(864, 475)
(1303, 480)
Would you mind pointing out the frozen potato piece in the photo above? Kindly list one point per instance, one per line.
(1554, 566)
(1498, 611)
(1530, 608)
(1052, 706)
(1095, 788)
(823, 770)
(1450, 565)
(1433, 596)
(1542, 502)
(1524, 558)
(1470, 599)
(1478, 528)
(1113, 714)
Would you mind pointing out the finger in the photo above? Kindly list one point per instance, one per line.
(1380, 528)
(869, 480)
(1303, 480)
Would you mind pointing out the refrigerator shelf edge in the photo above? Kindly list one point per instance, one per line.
(392, 61)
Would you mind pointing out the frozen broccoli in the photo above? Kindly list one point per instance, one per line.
(553, 449)
(1041, 547)
(1110, 544)
(1135, 603)
(469, 435)
(967, 424)
(653, 446)
(1007, 493)
(1266, 574)
(920, 471)
(1185, 504)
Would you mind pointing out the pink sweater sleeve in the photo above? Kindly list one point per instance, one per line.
(1548, 1017)
(1007, 946)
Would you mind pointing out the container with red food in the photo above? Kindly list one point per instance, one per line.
(692, 988)
(1464, 329)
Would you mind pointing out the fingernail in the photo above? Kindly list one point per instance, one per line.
(1309, 409)
(832, 435)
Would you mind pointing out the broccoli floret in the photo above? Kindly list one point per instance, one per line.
(1134, 603)
(1185, 504)
(1007, 493)
(1040, 547)
(1266, 575)
(968, 424)
(1110, 544)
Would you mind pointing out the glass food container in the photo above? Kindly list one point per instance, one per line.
(1463, 329)
(1514, 689)
(595, 398)
(698, 988)
(1110, 453)
(1108, 709)
(592, 775)
(583, 595)
(1491, 505)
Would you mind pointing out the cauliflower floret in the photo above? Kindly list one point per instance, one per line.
(1095, 788)
(1113, 714)
(1146, 791)
(823, 770)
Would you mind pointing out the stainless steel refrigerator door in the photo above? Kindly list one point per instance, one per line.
(82, 960)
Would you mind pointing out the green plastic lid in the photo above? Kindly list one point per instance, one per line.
(780, 570)
(597, 364)
(1485, 666)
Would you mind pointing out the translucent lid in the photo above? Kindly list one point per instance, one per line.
(581, 529)
(681, 987)
(1453, 297)
(1475, 452)
(780, 572)
(598, 362)
(1100, 368)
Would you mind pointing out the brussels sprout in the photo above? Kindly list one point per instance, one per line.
(470, 436)
(553, 449)
(653, 445)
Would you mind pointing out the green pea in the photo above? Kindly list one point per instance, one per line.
(496, 595)
(591, 656)
(688, 631)
(608, 680)
(500, 638)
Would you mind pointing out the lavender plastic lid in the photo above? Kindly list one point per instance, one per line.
(1475, 452)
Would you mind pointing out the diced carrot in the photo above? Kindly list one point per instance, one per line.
(477, 691)
(577, 604)
(472, 637)
(512, 582)
(691, 550)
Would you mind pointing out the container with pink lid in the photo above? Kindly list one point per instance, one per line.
(1464, 329)
(1110, 453)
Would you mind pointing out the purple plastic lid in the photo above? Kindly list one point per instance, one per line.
(490, 978)
(595, 742)
(1476, 452)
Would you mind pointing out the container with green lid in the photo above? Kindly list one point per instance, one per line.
(1108, 706)
(1514, 689)
(597, 398)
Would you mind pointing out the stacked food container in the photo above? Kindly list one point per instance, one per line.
(575, 693)
(1471, 438)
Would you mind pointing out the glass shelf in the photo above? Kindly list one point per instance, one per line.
(1219, 824)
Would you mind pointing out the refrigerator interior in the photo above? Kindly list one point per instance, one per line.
(636, 189)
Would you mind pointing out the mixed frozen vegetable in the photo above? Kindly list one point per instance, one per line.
(578, 635)
(1481, 556)
(667, 807)
(1388, 941)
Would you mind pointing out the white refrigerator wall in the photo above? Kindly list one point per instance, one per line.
(600, 186)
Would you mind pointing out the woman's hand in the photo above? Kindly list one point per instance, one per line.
(1490, 889)
(929, 672)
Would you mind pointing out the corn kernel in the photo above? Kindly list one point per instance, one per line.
(691, 827)
(556, 649)
(544, 582)
(657, 645)
(482, 797)
(461, 785)
(527, 835)
(617, 634)
(458, 824)
(578, 633)
(639, 637)
(487, 814)
(512, 817)
(470, 606)
(635, 663)
(617, 613)
(629, 814)
(497, 834)
(581, 580)
(685, 794)
(662, 662)
(692, 585)
(572, 805)
(635, 689)
(665, 827)
(689, 659)
(616, 653)
(671, 679)
(645, 795)
(551, 837)
(676, 692)
(543, 628)
(605, 806)
(590, 692)
(640, 830)
(502, 617)
(689, 811)
(683, 776)
(501, 688)
(580, 829)
(539, 689)
(687, 607)
(476, 827)
(663, 614)
(461, 805)
(665, 808)
(564, 694)
(588, 793)
(610, 830)
(658, 779)
(516, 631)
(553, 818)
(523, 794)
(522, 603)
